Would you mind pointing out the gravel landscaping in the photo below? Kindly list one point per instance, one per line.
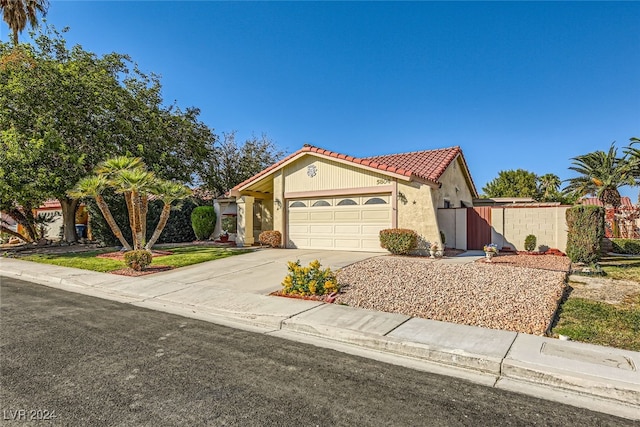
(506, 294)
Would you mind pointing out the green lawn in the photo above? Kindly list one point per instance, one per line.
(600, 323)
(624, 268)
(181, 257)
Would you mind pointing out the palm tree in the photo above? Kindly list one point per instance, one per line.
(168, 192)
(93, 186)
(548, 186)
(634, 158)
(16, 13)
(111, 168)
(601, 174)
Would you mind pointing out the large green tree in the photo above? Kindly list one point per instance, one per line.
(16, 13)
(235, 162)
(64, 110)
(601, 174)
(512, 183)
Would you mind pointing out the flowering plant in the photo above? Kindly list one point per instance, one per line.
(224, 233)
(434, 246)
(491, 247)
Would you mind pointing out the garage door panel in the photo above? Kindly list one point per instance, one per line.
(370, 230)
(321, 229)
(347, 243)
(298, 229)
(298, 215)
(321, 216)
(347, 215)
(347, 229)
(319, 242)
(376, 214)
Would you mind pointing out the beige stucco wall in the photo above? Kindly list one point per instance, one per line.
(454, 187)
(453, 223)
(278, 203)
(416, 212)
(510, 226)
(330, 175)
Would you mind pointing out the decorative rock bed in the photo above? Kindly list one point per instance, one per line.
(506, 294)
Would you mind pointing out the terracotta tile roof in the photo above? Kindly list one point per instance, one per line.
(428, 164)
(625, 201)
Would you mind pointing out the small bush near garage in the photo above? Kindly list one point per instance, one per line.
(203, 221)
(530, 243)
(138, 260)
(586, 230)
(626, 246)
(271, 238)
(311, 280)
(398, 241)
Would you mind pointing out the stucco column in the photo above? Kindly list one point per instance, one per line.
(244, 236)
(218, 228)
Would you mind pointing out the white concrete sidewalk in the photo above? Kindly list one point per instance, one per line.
(232, 291)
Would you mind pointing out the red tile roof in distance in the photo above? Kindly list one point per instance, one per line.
(428, 164)
(624, 200)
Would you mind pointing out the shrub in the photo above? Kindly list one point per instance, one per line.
(271, 238)
(585, 232)
(398, 241)
(138, 260)
(626, 246)
(443, 239)
(311, 280)
(530, 243)
(203, 221)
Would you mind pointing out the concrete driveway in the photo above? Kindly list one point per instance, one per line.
(259, 272)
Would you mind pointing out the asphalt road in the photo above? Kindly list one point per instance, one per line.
(68, 359)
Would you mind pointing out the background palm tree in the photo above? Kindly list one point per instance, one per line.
(601, 174)
(634, 158)
(16, 13)
(548, 186)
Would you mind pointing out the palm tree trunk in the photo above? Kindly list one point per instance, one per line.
(132, 223)
(13, 233)
(104, 208)
(137, 230)
(164, 217)
(144, 208)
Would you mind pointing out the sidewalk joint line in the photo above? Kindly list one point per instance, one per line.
(397, 326)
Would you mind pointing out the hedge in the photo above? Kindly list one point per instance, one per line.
(585, 232)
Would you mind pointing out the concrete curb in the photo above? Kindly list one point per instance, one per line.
(609, 378)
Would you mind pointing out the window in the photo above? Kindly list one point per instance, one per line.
(375, 201)
(297, 205)
(321, 203)
(447, 204)
(347, 202)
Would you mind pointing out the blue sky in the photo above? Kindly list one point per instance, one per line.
(516, 85)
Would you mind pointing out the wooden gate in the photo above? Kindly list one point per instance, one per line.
(478, 227)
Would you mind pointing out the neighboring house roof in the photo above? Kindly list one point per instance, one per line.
(428, 164)
(50, 204)
(624, 201)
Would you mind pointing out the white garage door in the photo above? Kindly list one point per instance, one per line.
(341, 223)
